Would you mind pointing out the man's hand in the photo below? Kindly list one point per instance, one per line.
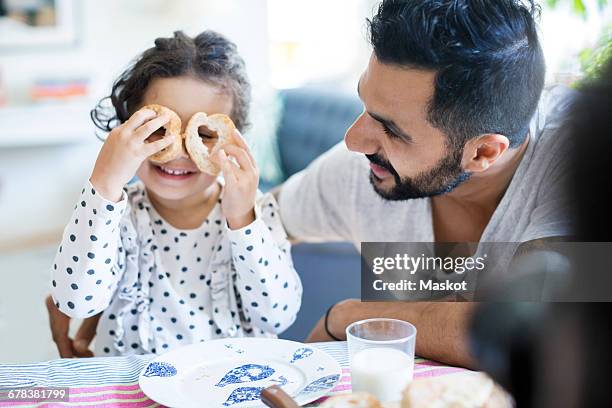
(318, 333)
(442, 328)
(60, 326)
(339, 318)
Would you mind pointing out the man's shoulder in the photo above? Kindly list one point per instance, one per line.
(552, 142)
(553, 109)
(539, 191)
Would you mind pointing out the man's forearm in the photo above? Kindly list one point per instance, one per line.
(442, 328)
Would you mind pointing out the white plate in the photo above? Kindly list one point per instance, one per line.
(232, 372)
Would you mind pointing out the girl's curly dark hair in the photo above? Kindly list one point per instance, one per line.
(208, 56)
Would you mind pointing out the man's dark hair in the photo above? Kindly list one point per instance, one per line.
(209, 56)
(489, 63)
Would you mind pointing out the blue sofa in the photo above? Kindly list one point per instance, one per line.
(312, 121)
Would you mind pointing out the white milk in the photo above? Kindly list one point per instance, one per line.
(383, 372)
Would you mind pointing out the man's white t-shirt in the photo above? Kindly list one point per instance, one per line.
(333, 200)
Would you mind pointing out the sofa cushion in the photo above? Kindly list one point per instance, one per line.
(312, 121)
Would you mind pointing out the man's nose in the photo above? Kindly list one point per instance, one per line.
(360, 137)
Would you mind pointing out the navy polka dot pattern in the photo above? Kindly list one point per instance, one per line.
(103, 259)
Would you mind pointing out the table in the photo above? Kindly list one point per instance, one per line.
(113, 381)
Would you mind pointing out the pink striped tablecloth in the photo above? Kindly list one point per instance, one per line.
(113, 381)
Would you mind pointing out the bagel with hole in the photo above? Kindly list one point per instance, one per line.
(173, 130)
(205, 135)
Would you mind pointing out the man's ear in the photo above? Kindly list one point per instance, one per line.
(483, 151)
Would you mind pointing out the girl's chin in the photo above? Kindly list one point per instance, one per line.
(165, 191)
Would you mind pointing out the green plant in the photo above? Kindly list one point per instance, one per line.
(592, 60)
(577, 5)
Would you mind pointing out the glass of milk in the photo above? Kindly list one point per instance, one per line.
(381, 354)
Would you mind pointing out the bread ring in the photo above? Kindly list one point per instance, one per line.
(220, 127)
(173, 129)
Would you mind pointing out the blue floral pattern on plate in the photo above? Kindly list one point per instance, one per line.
(231, 347)
(243, 394)
(300, 354)
(246, 373)
(159, 369)
(321, 384)
(280, 381)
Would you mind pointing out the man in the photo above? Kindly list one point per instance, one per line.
(449, 148)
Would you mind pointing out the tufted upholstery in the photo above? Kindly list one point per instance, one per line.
(312, 121)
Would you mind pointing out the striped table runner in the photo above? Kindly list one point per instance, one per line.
(113, 381)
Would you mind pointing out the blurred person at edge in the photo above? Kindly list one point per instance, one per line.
(575, 342)
(558, 354)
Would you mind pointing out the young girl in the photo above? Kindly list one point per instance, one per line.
(178, 257)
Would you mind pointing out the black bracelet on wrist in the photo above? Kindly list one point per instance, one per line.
(329, 333)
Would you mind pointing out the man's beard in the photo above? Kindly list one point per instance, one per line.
(442, 179)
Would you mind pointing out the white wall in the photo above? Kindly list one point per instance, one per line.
(112, 32)
(38, 185)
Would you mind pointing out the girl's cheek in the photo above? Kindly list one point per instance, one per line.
(145, 169)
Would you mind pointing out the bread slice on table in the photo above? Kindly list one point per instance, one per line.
(355, 400)
(461, 390)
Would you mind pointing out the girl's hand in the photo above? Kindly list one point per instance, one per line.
(241, 180)
(124, 151)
